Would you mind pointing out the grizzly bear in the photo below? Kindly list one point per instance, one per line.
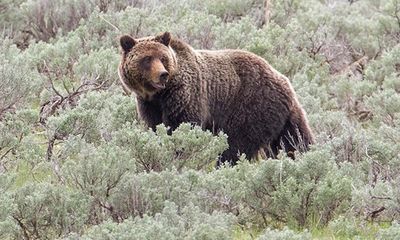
(233, 91)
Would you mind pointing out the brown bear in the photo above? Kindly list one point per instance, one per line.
(233, 91)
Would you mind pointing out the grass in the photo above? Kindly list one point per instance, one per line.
(361, 230)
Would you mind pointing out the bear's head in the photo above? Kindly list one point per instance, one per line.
(147, 64)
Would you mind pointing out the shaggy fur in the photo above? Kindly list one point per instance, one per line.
(230, 90)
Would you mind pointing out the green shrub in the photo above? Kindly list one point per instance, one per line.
(393, 232)
(38, 210)
(311, 188)
(285, 234)
(172, 223)
(18, 88)
(44, 18)
(345, 226)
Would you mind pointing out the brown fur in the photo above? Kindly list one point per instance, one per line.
(230, 90)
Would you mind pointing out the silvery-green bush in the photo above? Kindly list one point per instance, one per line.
(393, 232)
(171, 223)
(284, 234)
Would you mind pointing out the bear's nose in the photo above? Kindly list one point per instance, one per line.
(164, 76)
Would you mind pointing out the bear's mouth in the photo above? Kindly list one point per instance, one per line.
(157, 86)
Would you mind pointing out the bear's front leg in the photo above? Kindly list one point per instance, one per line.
(172, 119)
(149, 112)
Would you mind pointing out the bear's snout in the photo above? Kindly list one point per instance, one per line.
(163, 77)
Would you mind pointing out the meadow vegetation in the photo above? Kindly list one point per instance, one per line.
(76, 163)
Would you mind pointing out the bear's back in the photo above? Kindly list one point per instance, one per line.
(241, 76)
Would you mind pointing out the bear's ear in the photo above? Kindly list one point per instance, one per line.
(127, 42)
(164, 38)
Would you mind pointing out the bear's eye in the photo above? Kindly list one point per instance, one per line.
(164, 60)
(146, 61)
